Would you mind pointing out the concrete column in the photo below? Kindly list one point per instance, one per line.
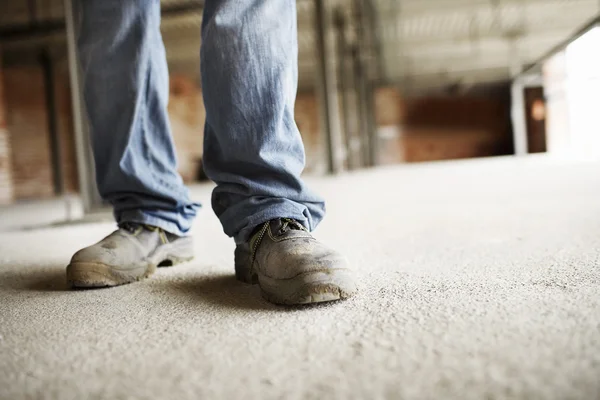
(517, 96)
(344, 84)
(85, 166)
(518, 117)
(364, 87)
(6, 180)
(372, 124)
(371, 69)
(55, 148)
(327, 87)
(361, 100)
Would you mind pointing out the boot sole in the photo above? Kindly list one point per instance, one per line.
(308, 288)
(94, 275)
(98, 275)
(316, 287)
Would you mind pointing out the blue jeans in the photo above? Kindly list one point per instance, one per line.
(252, 147)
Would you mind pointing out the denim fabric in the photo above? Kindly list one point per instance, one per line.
(252, 147)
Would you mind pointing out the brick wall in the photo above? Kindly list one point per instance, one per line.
(30, 139)
(413, 129)
(27, 122)
(420, 129)
(453, 127)
(6, 186)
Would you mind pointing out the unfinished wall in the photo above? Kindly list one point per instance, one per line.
(27, 122)
(454, 127)
(6, 185)
(420, 129)
(413, 129)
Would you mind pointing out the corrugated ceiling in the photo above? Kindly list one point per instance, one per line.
(422, 42)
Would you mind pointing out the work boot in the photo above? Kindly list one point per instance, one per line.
(292, 267)
(130, 253)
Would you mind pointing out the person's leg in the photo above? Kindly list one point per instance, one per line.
(125, 87)
(254, 152)
(253, 149)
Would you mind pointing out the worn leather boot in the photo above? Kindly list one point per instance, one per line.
(130, 253)
(291, 266)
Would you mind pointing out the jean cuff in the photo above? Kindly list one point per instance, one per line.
(140, 217)
(269, 214)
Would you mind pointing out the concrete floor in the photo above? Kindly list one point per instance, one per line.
(41, 213)
(479, 279)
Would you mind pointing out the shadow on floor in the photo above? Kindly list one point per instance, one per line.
(50, 278)
(55, 281)
(224, 290)
(221, 290)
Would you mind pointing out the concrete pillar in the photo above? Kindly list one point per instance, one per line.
(327, 87)
(518, 117)
(558, 125)
(517, 97)
(6, 180)
(363, 66)
(583, 94)
(373, 134)
(85, 166)
(361, 100)
(344, 85)
(52, 112)
(371, 69)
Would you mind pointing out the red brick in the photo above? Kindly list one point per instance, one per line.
(27, 123)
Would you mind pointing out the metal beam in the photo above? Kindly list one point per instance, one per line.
(373, 135)
(375, 37)
(364, 73)
(55, 148)
(517, 109)
(326, 87)
(85, 168)
(363, 125)
(38, 30)
(420, 8)
(518, 117)
(592, 23)
(343, 84)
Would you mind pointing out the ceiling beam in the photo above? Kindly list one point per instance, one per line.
(39, 30)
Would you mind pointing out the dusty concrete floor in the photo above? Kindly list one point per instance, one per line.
(479, 279)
